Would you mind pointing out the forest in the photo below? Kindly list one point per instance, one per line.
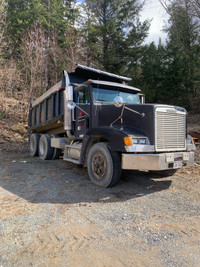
(40, 38)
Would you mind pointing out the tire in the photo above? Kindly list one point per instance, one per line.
(57, 152)
(33, 144)
(104, 166)
(45, 149)
(166, 173)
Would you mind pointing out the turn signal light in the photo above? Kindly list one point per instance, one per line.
(128, 141)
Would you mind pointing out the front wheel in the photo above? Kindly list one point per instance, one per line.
(104, 166)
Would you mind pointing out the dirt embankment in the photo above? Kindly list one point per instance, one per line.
(13, 120)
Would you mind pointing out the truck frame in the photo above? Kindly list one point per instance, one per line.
(95, 119)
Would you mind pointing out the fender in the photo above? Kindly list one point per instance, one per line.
(114, 136)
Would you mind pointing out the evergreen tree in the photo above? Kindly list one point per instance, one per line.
(114, 32)
(23, 14)
(182, 75)
(153, 71)
(20, 16)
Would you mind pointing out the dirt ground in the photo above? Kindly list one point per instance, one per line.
(52, 215)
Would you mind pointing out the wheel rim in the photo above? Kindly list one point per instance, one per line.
(42, 148)
(99, 165)
(32, 144)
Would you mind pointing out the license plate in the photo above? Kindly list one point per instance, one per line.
(178, 164)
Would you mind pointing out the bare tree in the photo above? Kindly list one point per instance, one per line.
(73, 48)
(195, 6)
(34, 55)
(192, 5)
(73, 52)
(33, 61)
(191, 9)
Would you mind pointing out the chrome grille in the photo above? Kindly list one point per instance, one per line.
(170, 129)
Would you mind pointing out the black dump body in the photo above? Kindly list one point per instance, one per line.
(47, 112)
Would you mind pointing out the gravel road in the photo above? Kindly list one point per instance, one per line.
(52, 215)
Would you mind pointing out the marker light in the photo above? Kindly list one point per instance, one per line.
(128, 141)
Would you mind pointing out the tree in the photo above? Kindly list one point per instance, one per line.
(195, 7)
(33, 61)
(20, 16)
(182, 69)
(2, 28)
(153, 73)
(23, 14)
(113, 32)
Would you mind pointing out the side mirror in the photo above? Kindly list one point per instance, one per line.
(118, 101)
(71, 105)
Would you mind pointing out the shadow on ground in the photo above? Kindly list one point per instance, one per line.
(61, 182)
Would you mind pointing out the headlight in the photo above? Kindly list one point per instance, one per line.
(142, 141)
(135, 140)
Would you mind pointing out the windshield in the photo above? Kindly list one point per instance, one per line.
(105, 95)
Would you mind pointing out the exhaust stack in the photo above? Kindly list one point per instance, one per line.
(68, 99)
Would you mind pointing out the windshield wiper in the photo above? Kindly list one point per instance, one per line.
(102, 100)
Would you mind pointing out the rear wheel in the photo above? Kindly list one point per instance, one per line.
(45, 149)
(33, 144)
(104, 166)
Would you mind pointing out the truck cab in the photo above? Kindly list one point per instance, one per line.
(95, 99)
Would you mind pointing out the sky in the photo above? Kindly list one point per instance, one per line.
(155, 12)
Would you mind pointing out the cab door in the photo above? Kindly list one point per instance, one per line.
(82, 112)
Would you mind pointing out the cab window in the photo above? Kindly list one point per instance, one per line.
(83, 96)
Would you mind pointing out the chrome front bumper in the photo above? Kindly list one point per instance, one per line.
(156, 162)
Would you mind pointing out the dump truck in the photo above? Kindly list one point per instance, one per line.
(95, 119)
